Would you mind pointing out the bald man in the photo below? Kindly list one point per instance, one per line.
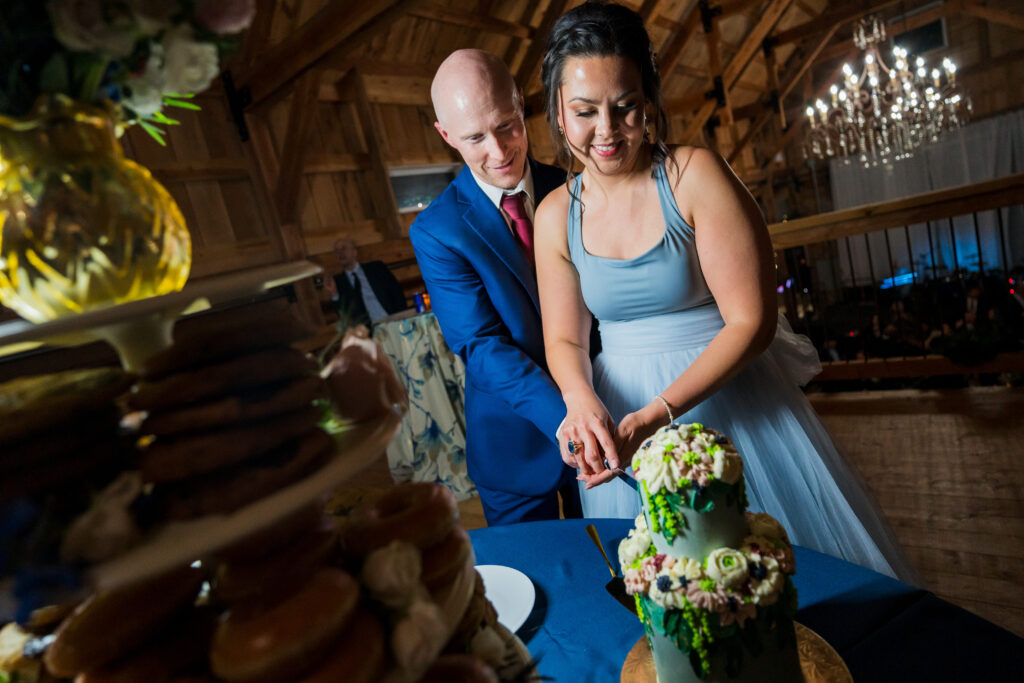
(474, 247)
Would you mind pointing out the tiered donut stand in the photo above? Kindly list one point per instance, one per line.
(141, 328)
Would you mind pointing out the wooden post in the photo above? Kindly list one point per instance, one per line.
(382, 195)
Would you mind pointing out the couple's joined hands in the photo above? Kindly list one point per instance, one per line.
(599, 440)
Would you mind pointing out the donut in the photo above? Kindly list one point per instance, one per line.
(227, 490)
(444, 561)
(420, 513)
(181, 458)
(231, 376)
(255, 404)
(459, 667)
(358, 655)
(110, 623)
(263, 580)
(284, 641)
(200, 340)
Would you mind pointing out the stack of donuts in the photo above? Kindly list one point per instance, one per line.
(387, 593)
(230, 414)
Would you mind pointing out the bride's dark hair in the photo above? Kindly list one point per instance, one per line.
(600, 29)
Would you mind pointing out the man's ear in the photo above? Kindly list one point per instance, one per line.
(443, 132)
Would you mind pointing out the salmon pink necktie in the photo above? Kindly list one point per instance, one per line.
(521, 223)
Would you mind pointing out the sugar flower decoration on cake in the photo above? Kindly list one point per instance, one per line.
(636, 545)
(678, 456)
(727, 567)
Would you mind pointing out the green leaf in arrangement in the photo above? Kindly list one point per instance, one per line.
(180, 103)
(153, 131)
(160, 117)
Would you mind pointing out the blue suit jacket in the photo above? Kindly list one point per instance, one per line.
(484, 293)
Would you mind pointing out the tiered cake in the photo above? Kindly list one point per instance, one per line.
(710, 579)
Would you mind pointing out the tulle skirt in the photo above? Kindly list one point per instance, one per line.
(791, 467)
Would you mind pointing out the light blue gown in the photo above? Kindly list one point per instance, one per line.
(656, 316)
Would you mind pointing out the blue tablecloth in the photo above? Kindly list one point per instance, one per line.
(885, 630)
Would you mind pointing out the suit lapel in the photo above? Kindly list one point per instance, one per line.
(486, 221)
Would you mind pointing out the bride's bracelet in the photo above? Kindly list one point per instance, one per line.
(667, 408)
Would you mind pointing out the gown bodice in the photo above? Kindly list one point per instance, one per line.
(665, 279)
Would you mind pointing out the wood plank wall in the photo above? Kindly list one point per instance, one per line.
(946, 467)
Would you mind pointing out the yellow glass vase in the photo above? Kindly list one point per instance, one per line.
(81, 226)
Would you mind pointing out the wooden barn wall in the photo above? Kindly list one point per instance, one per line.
(211, 174)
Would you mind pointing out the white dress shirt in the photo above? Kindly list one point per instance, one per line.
(496, 193)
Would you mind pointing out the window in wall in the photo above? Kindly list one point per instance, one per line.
(416, 186)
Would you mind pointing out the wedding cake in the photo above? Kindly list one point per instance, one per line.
(710, 579)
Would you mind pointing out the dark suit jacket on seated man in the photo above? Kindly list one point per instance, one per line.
(477, 265)
(364, 293)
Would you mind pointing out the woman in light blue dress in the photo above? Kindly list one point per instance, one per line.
(671, 254)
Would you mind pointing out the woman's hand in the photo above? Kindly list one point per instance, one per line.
(634, 429)
(589, 426)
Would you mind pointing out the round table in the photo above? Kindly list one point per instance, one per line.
(885, 630)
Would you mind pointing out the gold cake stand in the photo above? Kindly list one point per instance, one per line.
(818, 660)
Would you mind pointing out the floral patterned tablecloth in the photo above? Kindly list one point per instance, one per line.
(431, 443)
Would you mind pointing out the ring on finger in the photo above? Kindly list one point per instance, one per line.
(575, 447)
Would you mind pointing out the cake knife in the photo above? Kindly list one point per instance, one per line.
(616, 587)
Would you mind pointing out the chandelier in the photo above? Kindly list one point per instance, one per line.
(885, 113)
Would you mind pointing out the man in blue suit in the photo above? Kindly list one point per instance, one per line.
(474, 247)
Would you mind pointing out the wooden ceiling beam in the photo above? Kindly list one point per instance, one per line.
(829, 19)
(672, 50)
(752, 43)
(301, 116)
(515, 43)
(337, 30)
(446, 15)
(798, 125)
(994, 15)
(647, 8)
(769, 17)
(382, 196)
(535, 52)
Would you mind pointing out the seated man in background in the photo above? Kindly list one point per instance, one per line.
(362, 293)
(474, 245)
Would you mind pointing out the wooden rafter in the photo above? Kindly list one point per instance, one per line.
(798, 125)
(531, 61)
(301, 115)
(648, 8)
(335, 31)
(437, 12)
(816, 44)
(769, 17)
(994, 15)
(515, 43)
(382, 195)
(672, 50)
(830, 19)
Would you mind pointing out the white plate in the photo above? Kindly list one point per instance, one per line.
(510, 591)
